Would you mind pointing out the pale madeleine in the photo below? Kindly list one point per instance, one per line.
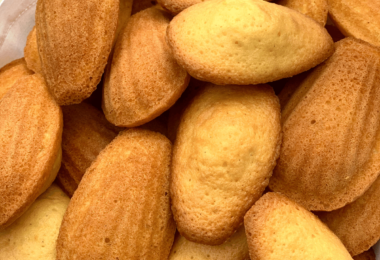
(226, 148)
(315, 9)
(33, 236)
(246, 41)
(278, 228)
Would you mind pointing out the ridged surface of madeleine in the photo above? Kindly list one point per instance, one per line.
(359, 19)
(30, 137)
(121, 209)
(85, 133)
(331, 124)
(226, 148)
(278, 228)
(74, 39)
(315, 9)
(144, 80)
(357, 224)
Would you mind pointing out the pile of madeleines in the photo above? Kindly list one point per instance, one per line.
(128, 120)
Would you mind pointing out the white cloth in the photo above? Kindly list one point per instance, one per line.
(16, 21)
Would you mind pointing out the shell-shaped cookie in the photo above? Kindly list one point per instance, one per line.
(367, 255)
(359, 19)
(10, 73)
(144, 80)
(121, 209)
(32, 57)
(235, 248)
(329, 156)
(315, 9)
(246, 41)
(33, 236)
(357, 224)
(30, 137)
(278, 228)
(86, 132)
(226, 148)
(74, 41)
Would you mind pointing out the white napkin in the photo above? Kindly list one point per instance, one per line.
(16, 21)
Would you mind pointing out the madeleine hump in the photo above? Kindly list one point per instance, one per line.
(121, 209)
(246, 41)
(226, 148)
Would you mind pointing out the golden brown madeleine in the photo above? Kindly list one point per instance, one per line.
(235, 248)
(315, 9)
(331, 131)
(32, 57)
(33, 236)
(121, 209)
(30, 137)
(74, 40)
(367, 255)
(85, 133)
(10, 73)
(144, 79)
(360, 19)
(278, 228)
(357, 224)
(176, 111)
(218, 41)
(226, 148)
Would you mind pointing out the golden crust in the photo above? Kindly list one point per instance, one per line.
(331, 131)
(216, 174)
(10, 73)
(32, 57)
(357, 224)
(85, 133)
(278, 228)
(235, 248)
(30, 134)
(367, 255)
(218, 41)
(143, 80)
(74, 40)
(121, 209)
(359, 19)
(315, 9)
